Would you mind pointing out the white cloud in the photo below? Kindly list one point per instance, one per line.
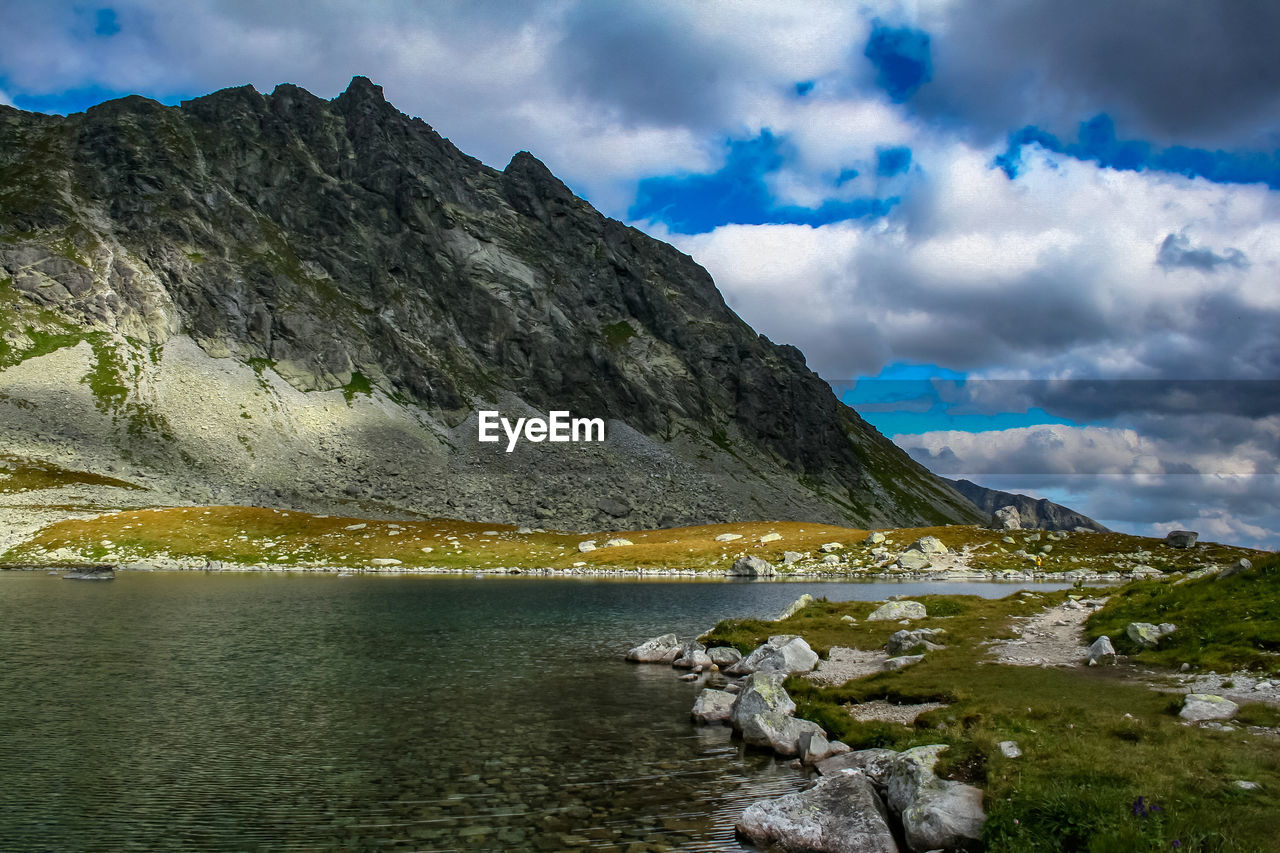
(5, 99)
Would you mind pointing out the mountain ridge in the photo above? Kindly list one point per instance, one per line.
(256, 249)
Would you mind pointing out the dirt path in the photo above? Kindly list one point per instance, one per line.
(1052, 637)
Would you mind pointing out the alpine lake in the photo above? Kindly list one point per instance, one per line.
(266, 712)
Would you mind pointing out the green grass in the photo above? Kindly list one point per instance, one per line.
(1093, 743)
(359, 384)
(1222, 624)
(617, 334)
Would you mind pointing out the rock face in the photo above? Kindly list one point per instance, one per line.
(1043, 514)
(360, 289)
(841, 814)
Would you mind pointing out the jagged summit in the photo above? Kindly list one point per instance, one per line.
(278, 298)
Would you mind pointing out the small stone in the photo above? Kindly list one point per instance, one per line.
(770, 537)
(1010, 749)
(1102, 651)
(1246, 785)
(893, 664)
(728, 537)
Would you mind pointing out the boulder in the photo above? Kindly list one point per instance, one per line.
(907, 639)
(840, 814)
(795, 607)
(831, 548)
(692, 655)
(785, 653)
(589, 545)
(615, 507)
(617, 543)
(815, 747)
(777, 732)
(713, 706)
(1146, 635)
(928, 545)
(1199, 707)
(384, 561)
(893, 611)
(935, 813)
(761, 693)
(913, 561)
(1180, 538)
(1102, 651)
(873, 539)
(1240, 565)
(728, 537)
(900, 662)
(875, 763)
(752, 567)
(789, 557)
(723, 656)
(770, 537)
(830, 560)
(1006, 518)
(663, 649)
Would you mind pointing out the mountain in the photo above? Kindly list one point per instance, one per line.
(1039, 513)
(287, 301)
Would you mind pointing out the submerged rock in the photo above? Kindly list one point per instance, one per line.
(713, 706)
(663, 649)
(840, 814)
(91, 573)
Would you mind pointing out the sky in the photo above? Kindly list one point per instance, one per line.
(1038, 244)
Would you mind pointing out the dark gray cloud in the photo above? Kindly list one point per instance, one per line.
(1198, 73)
(1177, 251)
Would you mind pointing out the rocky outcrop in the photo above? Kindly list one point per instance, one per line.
(1033, 513)
(893, 611)
(1180, 538)
(352, 289)
(663, 649)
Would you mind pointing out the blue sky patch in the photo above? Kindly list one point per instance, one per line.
(901, 58)
(804, 87)
(1096, 142)
(893, 161)
(106, 22)
(738, 194)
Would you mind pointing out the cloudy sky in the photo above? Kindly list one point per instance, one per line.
(1038, 243)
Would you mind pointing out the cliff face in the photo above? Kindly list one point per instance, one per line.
(1040, 513)
(277, 298)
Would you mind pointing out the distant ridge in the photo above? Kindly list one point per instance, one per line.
(1039, 513)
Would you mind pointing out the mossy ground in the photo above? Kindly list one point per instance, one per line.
(1225, 625)
(19, 474)
(1106, 764)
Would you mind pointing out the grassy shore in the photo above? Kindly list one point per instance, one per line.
(1107, 765)
(250, 536)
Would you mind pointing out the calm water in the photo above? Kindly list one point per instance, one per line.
(259, 712)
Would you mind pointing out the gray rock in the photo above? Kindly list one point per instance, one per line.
(785, 653)
(1010, 749)
(1146, 635)
(1101, 651)
(1239, 566)
(778, 732)
(840, 814)
(589, 545)
(692, 654)
(894, 611)
(830, 560)
(723, 656)
(907, 639)
(663, 649)
(1006, 518)
(814, 747)
(875, 763)
(761, 693)
(928, 545)
(728, 537)
(617, 542)
(752, 567)
(1180, 538)
(615, 507)
(1199, 707)
(713, 706)
(831, 547)
(790, 557)
(900, 662)
(795, 607)
(935, 813)
(874, 538)
(913, 561)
